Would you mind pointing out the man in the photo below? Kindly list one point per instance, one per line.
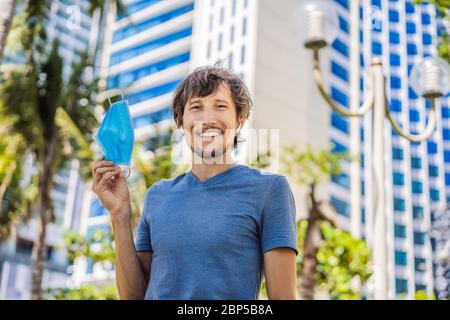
(211, 232)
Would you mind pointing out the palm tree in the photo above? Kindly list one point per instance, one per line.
(311, 168)
(55, 125)
(55, 120)
(6, 17)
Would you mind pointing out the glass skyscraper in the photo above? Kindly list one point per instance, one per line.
(418, 174)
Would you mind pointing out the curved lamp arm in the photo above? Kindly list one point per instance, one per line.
(341, 111)
(429, 129)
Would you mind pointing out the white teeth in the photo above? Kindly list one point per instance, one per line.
(210, 133)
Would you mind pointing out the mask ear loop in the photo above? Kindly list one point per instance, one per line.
(129, 172)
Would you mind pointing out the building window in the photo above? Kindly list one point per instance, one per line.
(393, 16)
(396, 82)
(433, 171)
(243, 54)
(230, 61)
(339, 71)
(396, 105)
(340, 47)
(447, 156)
(339, 96)
(434, 194)
(399, 179)
(426, 19)
(342, 180)
(399, 204)
(432, 147)
(419, 238)
(244, 26)
(339, 122)
(132, 52)
(397, 154)
(401, 258)
(233, 8)
(416, 163)
(414, 115)
(411, 49)
(152, 92)
(399, 231)
(417, 187)
(420, 287)
(127, 78)
(394, 37)
(394, 59)
(376, 48)
(401, 286)
(417, 212)
(409, 7)
(427, 39)
(410, 28)
(343, 24)
(337, 147)
(341, 207)
(138, 27)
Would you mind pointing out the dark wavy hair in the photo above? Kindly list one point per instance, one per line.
(204, 81)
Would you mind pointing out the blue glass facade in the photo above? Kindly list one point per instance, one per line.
(407, 35)
(125, 77)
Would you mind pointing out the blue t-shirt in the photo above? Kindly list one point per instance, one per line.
(208, 238)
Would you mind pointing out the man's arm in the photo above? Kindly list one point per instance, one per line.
(132, 269)
(280, 272)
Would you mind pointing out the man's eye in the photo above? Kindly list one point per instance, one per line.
(195, 107)
(222, 106)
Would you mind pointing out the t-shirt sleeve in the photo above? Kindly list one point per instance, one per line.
(278, 226)
(143, 240)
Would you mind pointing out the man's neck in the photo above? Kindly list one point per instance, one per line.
(204, 171)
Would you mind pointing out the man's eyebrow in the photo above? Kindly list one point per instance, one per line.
(198, 100)
(223, 101)
(194, 100)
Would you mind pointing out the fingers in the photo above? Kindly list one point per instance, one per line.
(101, 164)
(103, 170)
(107, 176)
(100, 171)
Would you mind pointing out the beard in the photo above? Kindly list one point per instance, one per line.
(210, 154)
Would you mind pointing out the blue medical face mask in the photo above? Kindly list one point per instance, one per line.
(116, 134)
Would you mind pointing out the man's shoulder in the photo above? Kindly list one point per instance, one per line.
(166, 184)
(261, 176)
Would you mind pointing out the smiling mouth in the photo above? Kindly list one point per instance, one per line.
(209, 134)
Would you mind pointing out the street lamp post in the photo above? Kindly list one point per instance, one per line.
(430, 79)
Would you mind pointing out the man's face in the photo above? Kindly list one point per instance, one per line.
(210, 123)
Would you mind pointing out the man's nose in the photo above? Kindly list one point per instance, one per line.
(209, 116)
